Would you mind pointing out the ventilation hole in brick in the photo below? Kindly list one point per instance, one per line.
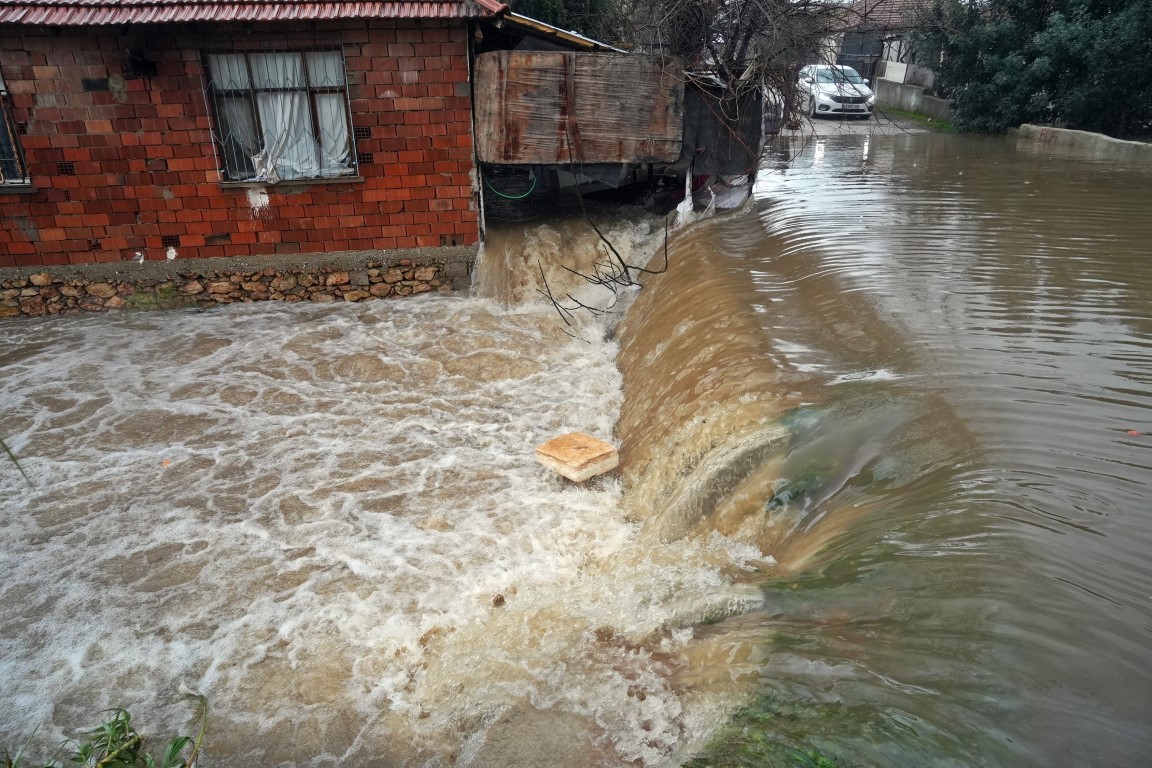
(93, 245)
(170, 241)
(22, 129)
(362, 132)
(67, 195)
(136, 66)
(364, 158)
(66, 169)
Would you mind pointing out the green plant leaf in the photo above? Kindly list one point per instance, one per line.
(203, 702)
(12, 457)
(83, 754)
(171, 757)
(115, 743)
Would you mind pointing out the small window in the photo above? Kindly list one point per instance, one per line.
(281, 116)
(13, 169)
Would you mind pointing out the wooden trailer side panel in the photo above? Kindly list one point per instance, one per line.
(549, 107)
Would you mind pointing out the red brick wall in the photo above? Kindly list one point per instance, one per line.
(145, 168)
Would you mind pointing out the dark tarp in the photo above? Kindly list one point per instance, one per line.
(722, 135)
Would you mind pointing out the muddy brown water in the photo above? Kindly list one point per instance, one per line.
(958, 332)
(878, 490)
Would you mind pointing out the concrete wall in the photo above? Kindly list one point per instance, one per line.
(910, 98)
(122, 164)
(1085, 144)
(909, 74)
(924, 77)
(892, 71)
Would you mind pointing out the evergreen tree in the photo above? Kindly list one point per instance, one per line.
(1084, 64)
(597, 19)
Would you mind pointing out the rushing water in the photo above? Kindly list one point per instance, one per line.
(878, 496)
(956, 334)
(328, 520)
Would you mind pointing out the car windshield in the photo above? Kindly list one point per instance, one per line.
(838, 75)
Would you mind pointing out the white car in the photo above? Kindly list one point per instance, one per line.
(835, 90)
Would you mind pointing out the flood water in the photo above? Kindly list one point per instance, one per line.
(878, 497)
(958, 335)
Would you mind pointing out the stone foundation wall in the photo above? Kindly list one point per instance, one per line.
(209, 282)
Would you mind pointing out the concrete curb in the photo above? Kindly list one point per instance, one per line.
(1095, 146)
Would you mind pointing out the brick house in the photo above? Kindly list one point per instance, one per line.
(153, 130)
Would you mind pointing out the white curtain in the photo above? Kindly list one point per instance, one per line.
(335, 149)
(229, 72)
(240, 138)
(238, 134)
(289, 150)
(325, 69)
(286, 148)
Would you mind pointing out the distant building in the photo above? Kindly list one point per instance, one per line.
(876, 44)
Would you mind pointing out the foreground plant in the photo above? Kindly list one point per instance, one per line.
(116, 743)
(12, 457)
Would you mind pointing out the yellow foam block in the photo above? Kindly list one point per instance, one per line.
(577, 456)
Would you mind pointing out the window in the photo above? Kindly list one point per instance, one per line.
(281, 116)
(13, 170)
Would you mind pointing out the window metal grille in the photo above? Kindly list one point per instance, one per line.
(281, 115)
(13, 168)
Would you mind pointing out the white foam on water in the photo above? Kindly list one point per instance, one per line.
(880, 374)
(328, 520)
(570, 260)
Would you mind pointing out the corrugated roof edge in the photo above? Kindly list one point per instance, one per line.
(573, 38)
(105, 12)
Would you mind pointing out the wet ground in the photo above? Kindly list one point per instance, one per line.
(879, 124)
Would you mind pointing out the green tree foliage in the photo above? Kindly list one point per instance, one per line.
(1084, 64)
(597, 19)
